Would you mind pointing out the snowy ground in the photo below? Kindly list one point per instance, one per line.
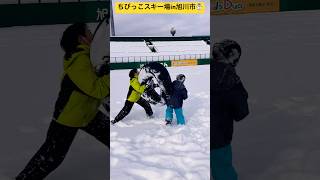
(144, 148)
(30, 72)
(280, 68)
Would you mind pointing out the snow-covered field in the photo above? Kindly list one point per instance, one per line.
(143, 148)
(280, 68)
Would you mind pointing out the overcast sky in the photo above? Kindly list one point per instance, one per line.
(160, 24)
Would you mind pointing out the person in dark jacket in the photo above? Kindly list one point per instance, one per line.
(175, 102)
(229, 104)
(134, 96)
(81, 93)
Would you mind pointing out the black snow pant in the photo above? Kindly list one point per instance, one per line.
(128, 106)
(58, 141)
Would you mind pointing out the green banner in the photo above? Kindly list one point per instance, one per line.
(294, 5)
(204, 61)
(52, 13)
(131, 65)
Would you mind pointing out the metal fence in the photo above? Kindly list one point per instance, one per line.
(158, 58)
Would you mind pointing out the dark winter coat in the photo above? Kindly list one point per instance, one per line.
(229, 103)
(179, 94)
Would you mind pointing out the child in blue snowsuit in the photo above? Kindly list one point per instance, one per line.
(175, 102)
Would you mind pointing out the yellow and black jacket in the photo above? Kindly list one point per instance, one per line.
(135, 90)
(81, 90)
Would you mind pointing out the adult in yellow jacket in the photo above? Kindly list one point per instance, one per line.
(81, 93)
(134, 96)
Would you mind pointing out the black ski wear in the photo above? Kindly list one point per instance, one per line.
(228, 103)
(179, 94)
(128, 106)
(58, 141)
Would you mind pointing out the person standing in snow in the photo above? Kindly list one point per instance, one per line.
(175, 101)
(81, 93)
(228, 103)
(134, 96)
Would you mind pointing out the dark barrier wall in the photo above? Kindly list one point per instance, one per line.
(204, 61)
(293, 5)
(131, 65)
(52, 13)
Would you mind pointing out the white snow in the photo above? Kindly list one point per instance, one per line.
(143, 148)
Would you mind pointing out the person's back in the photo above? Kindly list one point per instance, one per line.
(179, 94)
(228, 103)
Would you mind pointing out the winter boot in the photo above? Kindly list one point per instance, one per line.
(150, 116)
(168, 122)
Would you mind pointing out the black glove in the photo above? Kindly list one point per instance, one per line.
(148, 88)
(148, 82)
(150, 85)
(103, 69)
(166, 98)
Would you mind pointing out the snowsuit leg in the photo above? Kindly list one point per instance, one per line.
(169, 113)
(179, 115)
(99, 128)
(221, 164)
(146, 106)
(124, 111)
(51, 153)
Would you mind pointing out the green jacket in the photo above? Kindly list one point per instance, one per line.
(81, 90)
(135, 90)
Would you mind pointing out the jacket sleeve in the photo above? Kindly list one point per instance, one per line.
(137, 86)
(83, 75)
(240, 107)
(184, 94)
